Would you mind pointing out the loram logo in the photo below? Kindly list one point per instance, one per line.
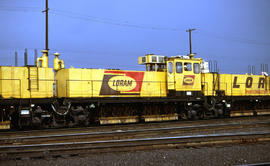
(188, 80)
(122, 83)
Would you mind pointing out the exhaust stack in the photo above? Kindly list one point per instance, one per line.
(16, 58)
(25, 57)
(35, 57)
(58, 63)
(43, 60)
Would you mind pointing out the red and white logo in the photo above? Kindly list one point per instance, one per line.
(121, 83)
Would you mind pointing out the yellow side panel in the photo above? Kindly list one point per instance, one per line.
(75, 84)
(15, 82)
(78, 82)
(12, 82)
(237, 85)
(244, 85)
(154, 84)
(41, 85)
(60, 83)
(109, 83)
(226, 85)
(207, 84)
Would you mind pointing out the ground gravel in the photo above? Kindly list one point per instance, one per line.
(229, 155)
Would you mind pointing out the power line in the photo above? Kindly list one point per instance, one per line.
(20, 9)
(232, 39)
(115, 22)
(80, 16)
(110, 21)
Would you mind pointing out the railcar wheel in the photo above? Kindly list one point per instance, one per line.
(183, 115)
(192, 114)
(202, 115)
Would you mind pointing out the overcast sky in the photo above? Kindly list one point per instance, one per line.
(113, 34)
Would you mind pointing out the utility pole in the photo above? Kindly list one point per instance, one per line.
(47, 26)
(190, 30)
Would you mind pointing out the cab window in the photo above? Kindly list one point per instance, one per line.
(179, 67)
(187, 67)
(196, 68)
(170, 67)
(161, 67)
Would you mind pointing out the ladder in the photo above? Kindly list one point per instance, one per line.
(33, 79)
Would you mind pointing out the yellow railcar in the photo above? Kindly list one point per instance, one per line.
(171, 88)
(246, 94)
(74, 83)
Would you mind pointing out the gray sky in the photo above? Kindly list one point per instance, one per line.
(112, 34)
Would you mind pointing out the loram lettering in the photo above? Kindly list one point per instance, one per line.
(249, 82)
(188, 80)
(122, 82)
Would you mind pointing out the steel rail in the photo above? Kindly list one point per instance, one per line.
(256, 164)
(225, 120)
(140, 139)
(135, 131)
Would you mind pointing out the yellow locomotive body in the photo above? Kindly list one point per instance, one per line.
(73, 83)
(169, 89)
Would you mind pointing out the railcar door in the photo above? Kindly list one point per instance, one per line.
(170, 75)
(188, 77)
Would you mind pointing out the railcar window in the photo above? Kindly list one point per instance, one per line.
(179, 67)
(143, 59)
(170, 67)
(196, 68)
(161, 59)
(152, 67)
(154, 59)
(161, 67)
(187, 66)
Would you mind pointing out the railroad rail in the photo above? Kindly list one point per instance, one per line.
(94, 128)
(53, 145)
(79, 148)
(103, 135)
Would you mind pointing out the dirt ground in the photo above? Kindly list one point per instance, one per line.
(229, 155)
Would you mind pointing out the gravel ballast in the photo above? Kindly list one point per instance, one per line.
(228, 155)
